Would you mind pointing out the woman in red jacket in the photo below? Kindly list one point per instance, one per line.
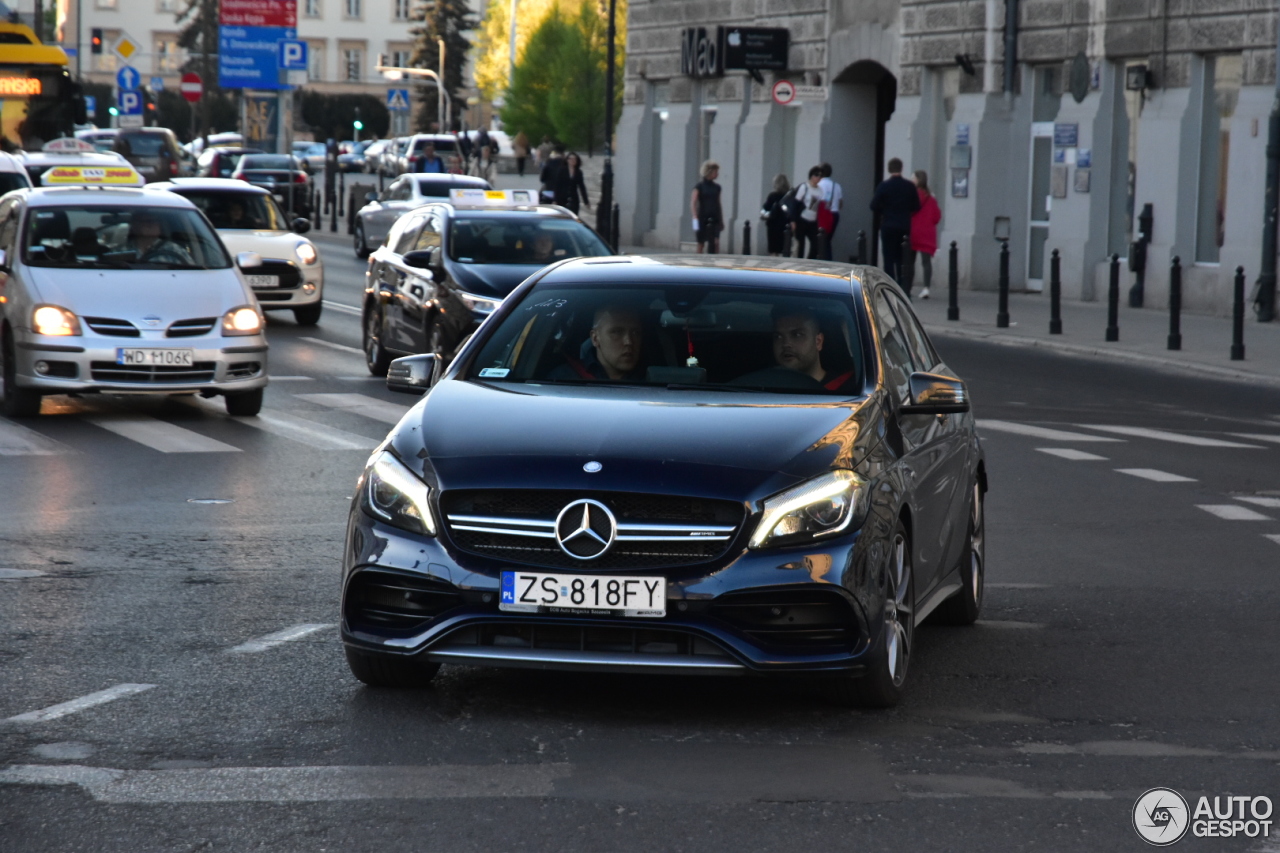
(924, 235)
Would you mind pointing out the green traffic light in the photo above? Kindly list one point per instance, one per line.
(358, 124)
(114, 111)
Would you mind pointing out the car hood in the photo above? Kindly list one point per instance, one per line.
(276, 245)
(737, 447)
(491, 279)
(134, 294)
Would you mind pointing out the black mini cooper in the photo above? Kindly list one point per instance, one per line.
(700, 465)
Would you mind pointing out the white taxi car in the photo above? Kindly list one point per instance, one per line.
(249, 220)
(123, 291)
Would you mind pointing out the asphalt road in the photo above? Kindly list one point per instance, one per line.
(1129, 641)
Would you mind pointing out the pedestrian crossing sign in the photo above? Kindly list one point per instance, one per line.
(398, 100)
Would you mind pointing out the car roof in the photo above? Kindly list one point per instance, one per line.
(446, 178)
(737, 270)
(52, 196)
(542, 210)
(9, 163)
(219, 184)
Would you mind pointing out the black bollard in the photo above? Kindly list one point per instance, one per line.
(342, 193)
(1175, 303)
(1237, 318)
(1002, 315)
(862, 248)
(746, 237)
(906, 272)
(333, 218)
(1113, 301)
(1055, 294)
(953, 283)
(613, 226)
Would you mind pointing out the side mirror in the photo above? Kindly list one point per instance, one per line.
(301, 225)
(418, 258)
(413, 374)
(4, 260)
(934, 394)
(248, 260)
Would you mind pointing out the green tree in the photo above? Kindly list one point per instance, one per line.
(332, 115)
(537, 78)
(447, 20)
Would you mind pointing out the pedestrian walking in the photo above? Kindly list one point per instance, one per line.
(550, 175)
(544, 151)
(895, 200)
(704, 204)
(464, 149)
(924, 235)
(572, 187)
(428, 160)
(488, 165)
(829, 210)
(521, 149)
(805, 226)
(774, 214)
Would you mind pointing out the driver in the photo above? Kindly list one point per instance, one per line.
(797, 345)
(544, 246)
(616, 336)
(146, 237)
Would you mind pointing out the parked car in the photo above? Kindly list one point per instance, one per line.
(351, 155)
(407, 192)
(221, 162)
(197, 145)
(13, 176)
(101, 138)
(311, 153)
(291, 276)
(389, 159)
(446, 146)
(282, 175)
(122, 291)
(153, 151)
(372, 160)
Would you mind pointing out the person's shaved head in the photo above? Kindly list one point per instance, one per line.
(616, 333)
(797, 342)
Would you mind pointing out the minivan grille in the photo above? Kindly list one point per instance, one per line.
(112, 327)
(191, 328)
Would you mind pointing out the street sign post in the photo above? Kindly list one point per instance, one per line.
(128, 78)
(784, 92)
(125, 47)
(293, 55)
(129, 104)
(157, 84)
(398, 100)
(250, 33)
(90, 106)
(192, 87)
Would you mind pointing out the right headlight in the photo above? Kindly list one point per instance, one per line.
(55, 321)
(392, 493)
(824, 506)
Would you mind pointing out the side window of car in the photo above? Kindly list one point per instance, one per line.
(429, 237)
(894, 348)
(8, 226)
(921, 351)
(407, 237)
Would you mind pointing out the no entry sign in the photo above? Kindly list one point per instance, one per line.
(192, 87)
(784, 92)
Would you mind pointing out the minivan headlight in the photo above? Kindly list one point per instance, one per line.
(823, 506)
(392, 493)
(55, 321)
(245, 320)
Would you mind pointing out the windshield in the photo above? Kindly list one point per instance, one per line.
(532, 239)
(233, 210)
(12, 181)
(140, 144)
(267, 161)
(679, 336)
(121, 237)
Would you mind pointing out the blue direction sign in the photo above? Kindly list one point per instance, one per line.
(157, 84)
(130, 102)
(249, 57)
(90, 106)
(293, 55)
(128, 78)
(398, 100)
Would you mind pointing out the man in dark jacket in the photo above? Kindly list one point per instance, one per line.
(896, 199)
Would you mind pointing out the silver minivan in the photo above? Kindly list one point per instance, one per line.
(123, 291)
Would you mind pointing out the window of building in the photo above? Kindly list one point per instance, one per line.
(1221, 88)
(315, 60)
(167, 54)
(353, 65)
(399, 57)
(312, 9)
(353, 8)
(400, 10)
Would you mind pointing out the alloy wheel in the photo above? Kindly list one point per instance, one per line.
(899, 611)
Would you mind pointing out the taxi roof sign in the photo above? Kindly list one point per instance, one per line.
(91, 176)
(67, 145)
(492, 199)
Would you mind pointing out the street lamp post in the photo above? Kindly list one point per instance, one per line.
(440, 125)
(605, 205)
(395, 72)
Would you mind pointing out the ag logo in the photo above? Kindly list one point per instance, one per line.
(1161, 817)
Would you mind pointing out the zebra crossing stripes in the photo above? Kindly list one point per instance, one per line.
(17, 440)
(360, 404)
(159, 435)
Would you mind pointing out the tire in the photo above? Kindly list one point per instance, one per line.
(965, 606)
(362, 248)
(246, 404)
(385, 671)
(375, 356)
(883, 684)
(17, 402)
(308, 315)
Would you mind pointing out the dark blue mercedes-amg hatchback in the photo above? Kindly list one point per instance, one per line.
(699, 465)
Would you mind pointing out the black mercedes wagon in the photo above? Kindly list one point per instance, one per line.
(700, 465)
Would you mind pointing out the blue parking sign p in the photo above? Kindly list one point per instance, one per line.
(130, 102)
(293, 54)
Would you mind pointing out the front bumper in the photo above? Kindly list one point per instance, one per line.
(308, 292)
(458, 621)
(87, 364)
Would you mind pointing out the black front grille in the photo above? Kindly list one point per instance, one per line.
(142, 374)
(621, 639)
(112, 327)
(810, 617)
(388, 601)
(530, 513)
(191, 328)
(244, 369)
(288, 275)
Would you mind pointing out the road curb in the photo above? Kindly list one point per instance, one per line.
(1102, 354)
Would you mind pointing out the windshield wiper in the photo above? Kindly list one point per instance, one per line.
(763, 388)
(593, 383)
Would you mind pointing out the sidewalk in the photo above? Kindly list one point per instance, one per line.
(1144, 332)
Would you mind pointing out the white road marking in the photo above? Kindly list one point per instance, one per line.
(1006, 624)
(296, 784)
(332, 345)
(1270, 503)
(1233, 512)
(1274, 537)
(1257, 436)
(1125, 748)
(1165, 435)
(159, 435)
(18, 574)
(17, 440)
(308, 432)
(1156, 476)
(1071, 453)
(1039, 432)
(293, 379)
(345, 309)
(297, 632)
(62, 709)
(361, 404)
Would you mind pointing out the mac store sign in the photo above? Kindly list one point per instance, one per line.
(711, 52)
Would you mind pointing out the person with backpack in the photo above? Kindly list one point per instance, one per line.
(774, 215)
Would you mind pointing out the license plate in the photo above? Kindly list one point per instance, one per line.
(532, 592)
(259, 281)
(155, 357)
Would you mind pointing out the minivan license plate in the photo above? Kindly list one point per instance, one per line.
(528, 592)
(155, 357)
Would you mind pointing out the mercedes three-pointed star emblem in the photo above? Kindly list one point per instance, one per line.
(585, 529)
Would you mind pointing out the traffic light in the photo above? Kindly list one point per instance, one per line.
(95, 40)
(114, 111)
(358, 124)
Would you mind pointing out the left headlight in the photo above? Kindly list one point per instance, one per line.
(307, 254)
(392, 493)
(55, 321)
(823, 506)
(245, 320)
(479, 304)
